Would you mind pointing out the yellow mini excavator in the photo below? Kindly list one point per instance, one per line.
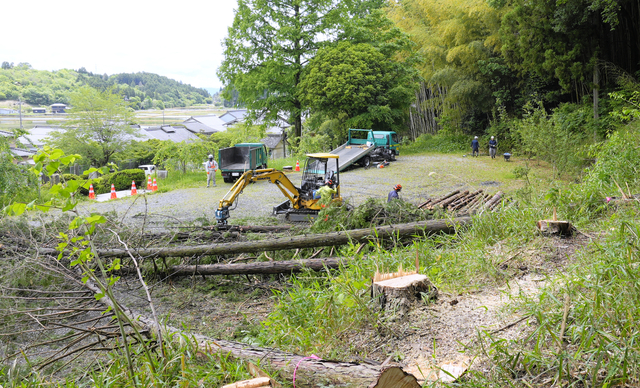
(320, 174)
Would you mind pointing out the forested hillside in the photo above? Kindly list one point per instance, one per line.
(143, 90)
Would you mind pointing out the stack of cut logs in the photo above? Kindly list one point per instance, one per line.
(465, 202)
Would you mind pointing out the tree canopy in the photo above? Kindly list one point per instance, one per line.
(99, 126)
(269, 44)
(357, 84)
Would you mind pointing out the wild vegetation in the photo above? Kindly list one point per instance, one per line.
(543, 77)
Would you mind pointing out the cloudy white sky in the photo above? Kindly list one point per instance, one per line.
(179, 39)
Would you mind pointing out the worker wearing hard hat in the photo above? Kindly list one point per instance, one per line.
(211, 166)
(493, 144)
(475, 146)
(393, 194)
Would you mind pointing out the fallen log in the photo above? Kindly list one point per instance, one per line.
(435, 202)
(469, 205)
(262, 267)
(446, 202)
(493, 201)
(254, 228)
(306, 241)
(309, 372)
(466, 200)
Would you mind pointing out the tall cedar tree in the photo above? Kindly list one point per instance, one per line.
(269, 44)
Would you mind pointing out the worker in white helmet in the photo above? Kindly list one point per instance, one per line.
(212, 167)
(493, 144)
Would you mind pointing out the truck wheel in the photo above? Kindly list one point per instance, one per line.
(228, 180)
(366, 162)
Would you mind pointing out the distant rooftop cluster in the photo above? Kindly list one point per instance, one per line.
(186, 131)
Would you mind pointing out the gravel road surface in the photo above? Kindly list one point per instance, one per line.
(421, 176)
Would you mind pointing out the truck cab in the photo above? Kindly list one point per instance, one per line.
(387, 139)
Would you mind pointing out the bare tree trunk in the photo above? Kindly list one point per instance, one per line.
(311, 241)
(262, 267)
(310, 372)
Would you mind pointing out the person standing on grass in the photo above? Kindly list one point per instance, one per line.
(393, 194)
(212, 167)
(493, 144)
(475, 146)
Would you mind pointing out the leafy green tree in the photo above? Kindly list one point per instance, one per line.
(182, 154)
(357, 84)
(6, 65)
(13, 178)
(269, 44)
(99, 126)
(562, 43)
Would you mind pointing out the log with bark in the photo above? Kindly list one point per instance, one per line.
(266, 267)
(305, 241)
(446, 202)
(431, 203)
(309, 373)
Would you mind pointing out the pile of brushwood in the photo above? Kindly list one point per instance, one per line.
(373, 212)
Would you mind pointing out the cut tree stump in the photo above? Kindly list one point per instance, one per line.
(401, 293)
(395, 377)
(562, 228)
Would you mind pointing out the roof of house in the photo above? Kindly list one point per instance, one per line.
(6, 134)
(37, 135)
(7, 111)
(168, 132)
(233, 116)
(21, 152)
(58, 105)
(272, 140)
(204, 124)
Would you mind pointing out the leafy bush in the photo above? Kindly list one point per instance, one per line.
(556, 138)
(121, 180)
(444, 143)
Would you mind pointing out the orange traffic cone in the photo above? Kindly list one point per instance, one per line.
(149, 185)
(297, 165)
(155, 185)
(134, 191)
(113, 192)
(92, 194)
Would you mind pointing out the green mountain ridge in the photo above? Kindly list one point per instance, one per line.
(142, 90)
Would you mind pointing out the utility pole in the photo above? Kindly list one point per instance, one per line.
(20, 109)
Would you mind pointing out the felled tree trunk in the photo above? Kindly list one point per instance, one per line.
(310, 372)
(307, 241)
(263, 267)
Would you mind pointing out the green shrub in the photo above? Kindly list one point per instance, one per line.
(122, 179)
(444, 143)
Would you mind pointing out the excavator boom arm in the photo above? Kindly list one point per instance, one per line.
(272, 175)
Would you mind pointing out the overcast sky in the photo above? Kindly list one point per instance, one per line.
(179, 39)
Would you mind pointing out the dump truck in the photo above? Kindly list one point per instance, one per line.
(235, 161)
(321, 173)
(365, 146)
